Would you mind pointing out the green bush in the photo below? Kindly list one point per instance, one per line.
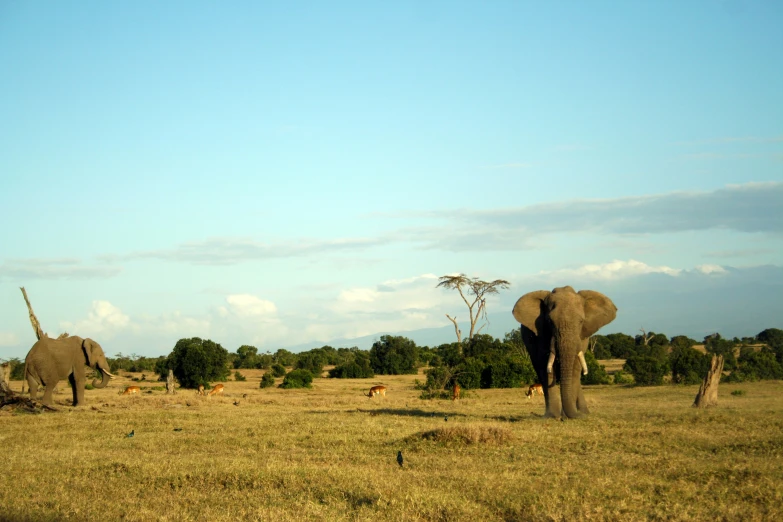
(602, 352)
(754, 366)
(359, 369)
(773, 338)
(394, 355)
(17, 369)
(239, 377)
(596, 373)
(646, 370)
(196, 361)
(738, 392)
(267, 380)
(247, 357)
(504, 374)
(468, 373)
(312, 361)
(89, 386)
(278, 370)
(297, 379)
(689, 366)
(438, 378)
(621, 378)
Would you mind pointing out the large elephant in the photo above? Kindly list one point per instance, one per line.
(556, 327)
(51, 360)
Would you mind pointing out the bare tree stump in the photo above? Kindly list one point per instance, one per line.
(708, 391)
(6, 373)
(33, 319)
(170, 382)
(11, 401)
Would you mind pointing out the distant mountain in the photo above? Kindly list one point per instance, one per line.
(735, 303)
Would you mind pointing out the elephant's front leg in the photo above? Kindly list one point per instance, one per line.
(581, 404)
(551, 395)
(77, 381)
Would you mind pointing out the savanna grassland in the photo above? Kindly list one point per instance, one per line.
(329, 453)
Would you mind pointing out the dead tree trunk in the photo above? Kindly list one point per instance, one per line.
(6, 373)
(170, 382)
(456, 328)
(33, 319)
(708, 391)
(11, 401)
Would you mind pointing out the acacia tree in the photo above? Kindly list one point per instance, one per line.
(479, 290)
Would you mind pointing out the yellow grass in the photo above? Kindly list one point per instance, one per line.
(330, 454)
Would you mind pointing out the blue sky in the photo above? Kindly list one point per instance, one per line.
(267, 174)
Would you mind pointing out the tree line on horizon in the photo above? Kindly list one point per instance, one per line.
(482, 361)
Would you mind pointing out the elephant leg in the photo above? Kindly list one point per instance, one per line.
(77, 385)
(551, 396)
(581, 404)
(48, 391)
(32, 384)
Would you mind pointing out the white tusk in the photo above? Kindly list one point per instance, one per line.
(582, 362)
(550, 362)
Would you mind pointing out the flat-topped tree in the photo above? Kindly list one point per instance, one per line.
(479, 290)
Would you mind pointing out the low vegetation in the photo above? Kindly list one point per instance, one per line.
(329, 453)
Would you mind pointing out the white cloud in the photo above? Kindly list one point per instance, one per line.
(232, 250)
(246, 305)
(711, 269)
(60, 268)
(8, 339)
(616, 269)
(103, 319)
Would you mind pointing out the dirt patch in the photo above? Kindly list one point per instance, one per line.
(469, 434)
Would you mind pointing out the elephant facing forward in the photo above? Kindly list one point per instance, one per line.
(52, 360)
(556, 327)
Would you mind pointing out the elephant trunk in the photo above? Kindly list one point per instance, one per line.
(105, 377)
(568, 388)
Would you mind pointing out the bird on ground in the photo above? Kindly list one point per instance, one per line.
(446, 418)
(130, 434)
(399, 458)
(236, 403)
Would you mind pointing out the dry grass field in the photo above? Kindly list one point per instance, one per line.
(329, 453)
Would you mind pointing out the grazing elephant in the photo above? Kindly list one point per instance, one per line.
(51, 360)
(556, 326)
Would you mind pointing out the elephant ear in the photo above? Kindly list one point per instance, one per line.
(529, 310)
(599, 311)
(87, 346)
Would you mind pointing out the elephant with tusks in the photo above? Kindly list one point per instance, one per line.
(52, 360)
(556, 328)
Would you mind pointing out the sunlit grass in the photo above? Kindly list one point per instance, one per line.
(329, 453)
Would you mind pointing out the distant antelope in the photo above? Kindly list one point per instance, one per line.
(533, 390)
(455, 392)
(376, 391)
(130, 390)
(200, 390)
(217, 390)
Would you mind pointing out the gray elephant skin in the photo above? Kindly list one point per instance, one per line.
(556, 328)
(52, 360)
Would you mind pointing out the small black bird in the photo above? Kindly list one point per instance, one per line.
(446, 418)
(399, 458)
(130, 434)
